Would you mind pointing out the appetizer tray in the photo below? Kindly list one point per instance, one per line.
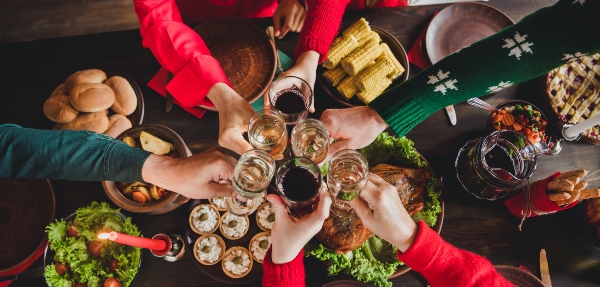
(215, 271)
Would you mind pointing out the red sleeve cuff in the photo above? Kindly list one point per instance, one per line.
(197, 77)
(289, 274)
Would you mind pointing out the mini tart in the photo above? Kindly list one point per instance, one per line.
(266, 233)
(215, 206)
(261, 207)
(227, 272)
(221, 226)
(197, 208)
(221, 242)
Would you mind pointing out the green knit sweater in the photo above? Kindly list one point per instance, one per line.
(537, 44)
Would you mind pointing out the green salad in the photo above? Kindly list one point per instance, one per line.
(81, 259)
(375, 261)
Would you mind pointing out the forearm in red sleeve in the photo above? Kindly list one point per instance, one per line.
(322, 23)
(445, 265)
(178, 49)
(289, 274)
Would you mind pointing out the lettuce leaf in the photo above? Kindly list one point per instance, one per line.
(386, 146)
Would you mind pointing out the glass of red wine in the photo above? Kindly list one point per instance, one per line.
(292, 97)
(298, 183)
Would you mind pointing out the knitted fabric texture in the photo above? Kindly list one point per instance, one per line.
(289, 274)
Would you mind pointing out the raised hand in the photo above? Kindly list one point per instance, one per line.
(293, 13)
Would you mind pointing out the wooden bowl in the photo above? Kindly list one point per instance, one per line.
(229, 237)
(225, 256)
(197, 208)
(221, 242)
(244, 51)
(211, 200)
(266, 233)
(165, 204)
(258, 211)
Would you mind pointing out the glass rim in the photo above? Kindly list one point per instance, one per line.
(319, 179)
(262, 153)
(319, 124)
(271, 95)
(275, 113)
(353, 153)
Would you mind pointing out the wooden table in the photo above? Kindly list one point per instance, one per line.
(30, 71)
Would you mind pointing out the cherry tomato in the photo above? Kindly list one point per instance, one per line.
(113, 265)
(61, 268)
(72, 231)
(95, 248)
(112, 282)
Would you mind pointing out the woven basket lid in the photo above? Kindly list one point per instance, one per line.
(245, 53)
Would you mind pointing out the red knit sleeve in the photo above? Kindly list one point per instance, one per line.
(445, 265)
(322, 23)
(290, 274)
(178, 49)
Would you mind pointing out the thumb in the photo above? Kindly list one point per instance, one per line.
(338, 145)
(279, 207)
(239, 144)
(362, 209)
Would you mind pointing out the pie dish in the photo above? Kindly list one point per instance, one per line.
(572, 93)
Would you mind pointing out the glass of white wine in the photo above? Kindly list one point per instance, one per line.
(267, 131)
(310, 139)
(346, 178)
(251, 177)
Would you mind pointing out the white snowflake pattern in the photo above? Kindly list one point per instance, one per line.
(579, 1)
(570, 58)
(440, 76)
(499, 87)
(446, 85)
(518, 46)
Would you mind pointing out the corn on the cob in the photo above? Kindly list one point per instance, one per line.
(340, 49)
(370, 35)
(374, 74)
(386, 52)
(361, 57)
(347, 88)
(357, 28)
(369, 95)
(335, 76)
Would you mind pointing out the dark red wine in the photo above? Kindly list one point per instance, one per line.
(290, 101)
(498, 158)
(299, 184)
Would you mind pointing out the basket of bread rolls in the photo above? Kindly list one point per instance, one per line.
(105, 102)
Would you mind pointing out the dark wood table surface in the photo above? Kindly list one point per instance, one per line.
(30, 71)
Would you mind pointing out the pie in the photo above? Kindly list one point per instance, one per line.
(573, 92)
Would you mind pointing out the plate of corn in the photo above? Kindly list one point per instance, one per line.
(361, 64)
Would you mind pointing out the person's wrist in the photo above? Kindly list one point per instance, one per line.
(309, 59)
(375, 118)
(283, 256)
(160, 171)
(221, 94)
(404, 237)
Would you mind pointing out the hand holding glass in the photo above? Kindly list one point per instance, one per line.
(251, 177)
(346, 178)
(267, 132)
(298, 183)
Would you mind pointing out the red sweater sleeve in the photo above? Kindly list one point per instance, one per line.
(445, 265)
(290, 274)
(178, 49)
(322, 23)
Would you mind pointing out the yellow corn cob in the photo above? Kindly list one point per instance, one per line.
(361, 57)
(369, 95)
(386, 52)
(340, 49)
(335, 76)
(347, 88)
(370, 35)
(374, 74)
(357, 28)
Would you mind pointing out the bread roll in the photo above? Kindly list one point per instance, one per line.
(91, 98)
(116, 125)
(96, 122)
(60, 90)
(125, 99)
(84, 76)
(58, 109)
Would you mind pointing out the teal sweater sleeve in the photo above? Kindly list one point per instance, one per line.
(540, 42)
(73, 155)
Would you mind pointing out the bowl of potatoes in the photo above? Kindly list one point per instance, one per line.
(143, 197)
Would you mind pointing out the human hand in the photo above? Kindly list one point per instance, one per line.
(380, 209)
(199, 176)
(290, 234)
(306, 69)
(352, 128)
(294, 14)
(234, 114)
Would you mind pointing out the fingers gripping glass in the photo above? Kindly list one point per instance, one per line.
(251, 177)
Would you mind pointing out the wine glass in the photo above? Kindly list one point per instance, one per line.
(292, 97)
(298, 183)
(251, 177)
(346, 178)
(267, 131)
(310, 139)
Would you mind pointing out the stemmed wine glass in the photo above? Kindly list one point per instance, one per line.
(267, 131)
(251, 177)
(292, 97)
(310, 139)
(346, 178)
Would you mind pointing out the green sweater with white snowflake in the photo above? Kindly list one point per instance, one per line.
(540, 42)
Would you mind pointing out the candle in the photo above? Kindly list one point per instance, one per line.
(152, 244)
(573, 131)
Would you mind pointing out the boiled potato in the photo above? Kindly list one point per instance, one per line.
(154, 145)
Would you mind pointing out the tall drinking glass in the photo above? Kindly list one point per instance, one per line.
(267, 131)
(346, 178)
(298, 182)
(310, 139)
(292, 97)
(251, 177)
